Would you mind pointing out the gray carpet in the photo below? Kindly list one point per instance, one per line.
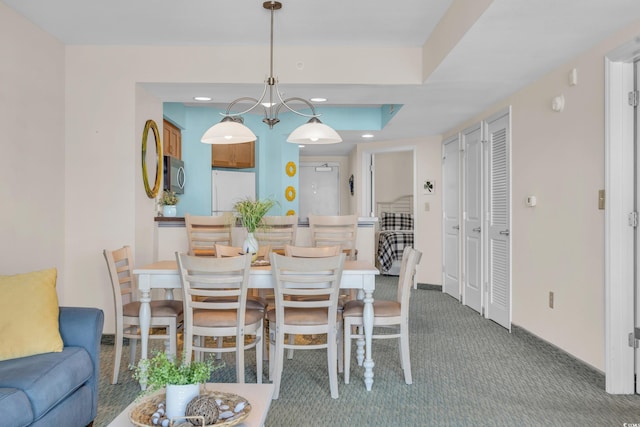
(466, 371)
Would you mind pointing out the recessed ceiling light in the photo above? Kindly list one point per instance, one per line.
(300, 146)
(367, 135)
(318, 99)
(202, 98)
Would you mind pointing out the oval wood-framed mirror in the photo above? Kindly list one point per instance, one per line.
(151, 125)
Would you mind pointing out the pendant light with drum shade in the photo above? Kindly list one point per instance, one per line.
(231, 129)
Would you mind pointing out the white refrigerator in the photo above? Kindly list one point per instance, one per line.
(228, 187)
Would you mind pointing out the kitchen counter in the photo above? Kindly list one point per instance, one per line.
(170, 236)
(177, 221)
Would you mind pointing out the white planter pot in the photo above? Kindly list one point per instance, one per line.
(169, 210)
(250, 246)
(178, 397)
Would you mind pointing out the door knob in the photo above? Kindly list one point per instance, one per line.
(477, 229)
(505, 232)
(456, 227)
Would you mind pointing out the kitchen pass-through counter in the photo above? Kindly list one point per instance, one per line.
(170, 235)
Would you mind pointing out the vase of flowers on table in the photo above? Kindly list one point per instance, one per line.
(251, 212)
(181, 378)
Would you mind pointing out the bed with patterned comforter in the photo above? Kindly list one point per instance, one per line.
(396, 232)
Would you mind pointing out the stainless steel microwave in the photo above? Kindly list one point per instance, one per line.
(174, 178)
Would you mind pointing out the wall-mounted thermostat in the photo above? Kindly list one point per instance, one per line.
(531, 201)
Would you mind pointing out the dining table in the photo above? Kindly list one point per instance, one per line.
(358, 275)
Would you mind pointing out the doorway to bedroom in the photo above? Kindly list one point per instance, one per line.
(390, 194)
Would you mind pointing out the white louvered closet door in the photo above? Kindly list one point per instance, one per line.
(499, 220)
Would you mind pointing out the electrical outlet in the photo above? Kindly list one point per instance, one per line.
(550, 299)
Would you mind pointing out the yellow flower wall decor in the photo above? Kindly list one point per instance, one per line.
(290, 193)
(291, 212)
(291, 168)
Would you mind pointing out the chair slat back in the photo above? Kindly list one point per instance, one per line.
(123, 282)
(203, 232)
(214, 283)
(311, 252)
(277, 231)
(331, 230)
(223, 251)
(317, 277)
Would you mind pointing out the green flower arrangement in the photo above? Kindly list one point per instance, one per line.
(169, 198)
(251, 211)
(161, 369)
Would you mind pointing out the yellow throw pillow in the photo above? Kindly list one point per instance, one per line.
(29, 314)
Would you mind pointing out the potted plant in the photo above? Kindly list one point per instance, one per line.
(251, 212)
(181, 378)
(169, 200)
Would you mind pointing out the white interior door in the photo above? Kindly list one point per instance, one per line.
(451, 217)
(498, 221)
(472, 218)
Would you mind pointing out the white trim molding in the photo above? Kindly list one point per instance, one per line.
(619, 246)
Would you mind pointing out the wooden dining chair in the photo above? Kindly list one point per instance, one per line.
(227, 251)
(305, 277)
(277, 231)
(317, 252)
(331, 230)
(387, 314)
(215, 298)
(203, 232)
(253, 301)
(165, 314)
(311, 252)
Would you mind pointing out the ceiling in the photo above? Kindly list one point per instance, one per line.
(513, 43)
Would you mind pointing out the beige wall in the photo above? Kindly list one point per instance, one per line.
(32, 176)
(393, 175)
(558, 245)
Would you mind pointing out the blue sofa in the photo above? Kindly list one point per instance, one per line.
(60, 388)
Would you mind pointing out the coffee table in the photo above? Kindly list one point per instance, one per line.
(258, 395)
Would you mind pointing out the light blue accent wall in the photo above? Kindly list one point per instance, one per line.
(273, 152)
(196, 156)
(175, 112)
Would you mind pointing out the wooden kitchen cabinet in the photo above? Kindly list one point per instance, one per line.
(238, 156)
(172, 140)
